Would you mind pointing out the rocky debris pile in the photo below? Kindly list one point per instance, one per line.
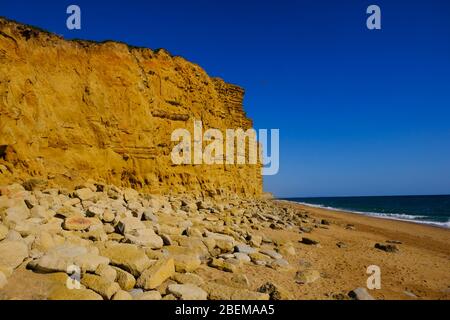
(128, 245)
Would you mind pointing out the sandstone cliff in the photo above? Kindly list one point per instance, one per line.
(74, 110)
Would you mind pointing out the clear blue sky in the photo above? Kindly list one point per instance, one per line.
(360, 112)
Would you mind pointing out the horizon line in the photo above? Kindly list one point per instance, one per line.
(363, 196)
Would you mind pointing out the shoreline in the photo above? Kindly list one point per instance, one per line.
(371, 214)
(419, 267)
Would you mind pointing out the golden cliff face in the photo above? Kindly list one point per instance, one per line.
(76, 110)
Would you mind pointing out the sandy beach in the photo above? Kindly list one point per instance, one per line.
(134, 246)
(420, 270)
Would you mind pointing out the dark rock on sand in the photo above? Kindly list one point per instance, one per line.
(387, 247)
(309, 241)
(360, 294)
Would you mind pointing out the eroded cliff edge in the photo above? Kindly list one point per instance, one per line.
(77, 110)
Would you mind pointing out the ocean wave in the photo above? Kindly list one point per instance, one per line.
(391, 216)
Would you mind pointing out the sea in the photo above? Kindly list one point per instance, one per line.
(432, 210)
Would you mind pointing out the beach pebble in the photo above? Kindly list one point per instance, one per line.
(409, 294)
(386, 247)
(341, 244)
(307, 276)
(360, 294)
(305, 229)
(309, 241)
(274, 291)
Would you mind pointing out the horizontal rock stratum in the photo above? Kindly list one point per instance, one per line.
(73, 110)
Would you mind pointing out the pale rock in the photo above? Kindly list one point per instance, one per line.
(170, 230)
(7, 271)
(244, 258)
(222, 265)
(90, 261)
(12, 253)
(11, 190)
(155, 254)
(234, 261)
(95, 233)
(3, 280)
(16, 214)
(210, 243)
(125, 279)
(109, 228)
(104, 287)
(84, 194)
(68, 212)
(27, 227)
(156, 274)
(136, 208)
(94, 211)
(144, 237)
(155, 203)
(45, 241)
(162, 288)
(191, 278)
(287, 250)
(53, 226)
(255, 240)
(39, 211)
(61, 292)
(107, 272)
(129, 224)
(60, 258)
(307, 276)
(108, 216)
(130, 195)
(224, 242)
(243, 248)
(71, 202)
(271, 253)
(281, 265)
(135, 292)
(13, 235)
(122, 295)
(3, 232)
(259, 258)
(149, 295)
(128, 257)
(194, 232)
(150, 216)
(187, 292)
(186, 262)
